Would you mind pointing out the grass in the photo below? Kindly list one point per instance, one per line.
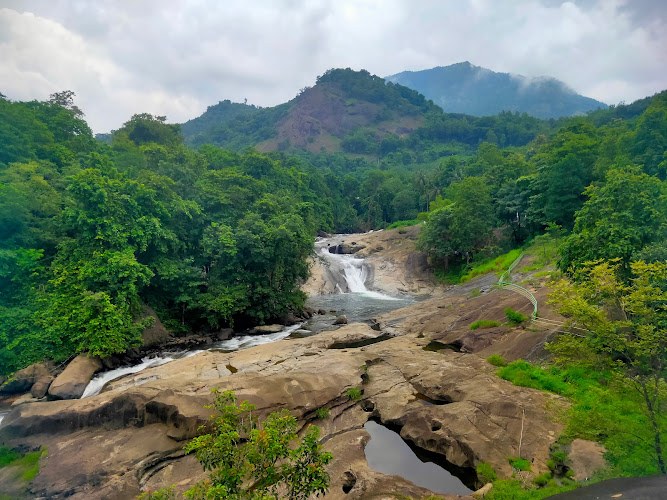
(353, 393)
(496, 360)
(484, 323)
(519, 463)
(513, 317)
(404, 223)
(322, 413)
(486, 473)
(498, 265)
(474, 293)
(27, 465)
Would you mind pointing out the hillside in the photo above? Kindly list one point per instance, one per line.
(318, 119)
(469, 89)
(356, 113)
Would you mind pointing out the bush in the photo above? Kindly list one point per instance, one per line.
(486, 473)
(496, 360)
(519, 463)
(249, 459)
(484, 323)
(162, 494)
(542, 479)
(322, 413)
(514, 317)
(353, 393)
(474, 293)
(403, 223)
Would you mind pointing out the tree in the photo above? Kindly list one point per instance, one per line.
(623, 328)
(252, 460)
(620, 218)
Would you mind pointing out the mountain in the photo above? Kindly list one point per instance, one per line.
(469, 89)
(320, 119)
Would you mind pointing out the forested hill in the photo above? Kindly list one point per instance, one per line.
(356, 113)
(469, 89)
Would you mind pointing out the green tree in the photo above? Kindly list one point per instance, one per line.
(248, 459)
(626, 213)
(623, 328)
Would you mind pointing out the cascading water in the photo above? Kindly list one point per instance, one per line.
(96, 385)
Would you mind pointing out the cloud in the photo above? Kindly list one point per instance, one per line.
(175, 57)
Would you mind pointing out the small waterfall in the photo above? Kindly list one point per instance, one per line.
(2, 415)
(347, 272)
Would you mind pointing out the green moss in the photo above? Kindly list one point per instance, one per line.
(496, 360)
(484, 323)
(7, 456)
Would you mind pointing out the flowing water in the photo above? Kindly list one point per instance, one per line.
(386, 452)
(353, 298)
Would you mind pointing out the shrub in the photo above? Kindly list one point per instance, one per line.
(484, 323)
(542, 479)
(486, 473)
(551, 464)
(474, 293)
(519, 463)
(404, 223)
(249, 459)
(514, 317)
(496, 360)
(322, 413)
(353, 393)
(162, 494)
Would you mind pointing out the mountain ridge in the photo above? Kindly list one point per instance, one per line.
(477, 91)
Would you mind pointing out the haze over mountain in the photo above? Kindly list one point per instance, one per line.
(466, 88)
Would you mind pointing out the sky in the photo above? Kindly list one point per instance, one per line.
(176, 57)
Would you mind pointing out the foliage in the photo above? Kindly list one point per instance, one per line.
(496, 360)
(519, 463)
(484, 323)
(486, 473)
(620, 218)
(623, 328)
(353, 393)
(322, 413)
(404, 223)
(253, 460)
(542, 479)
(513, 488)
(161, 494)
(498, 265)
(514, 317)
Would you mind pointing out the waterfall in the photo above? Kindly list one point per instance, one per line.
(347, 272)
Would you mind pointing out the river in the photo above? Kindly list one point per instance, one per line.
(353, 298)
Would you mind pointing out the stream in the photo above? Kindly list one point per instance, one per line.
(353, 298)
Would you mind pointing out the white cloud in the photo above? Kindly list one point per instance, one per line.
(175, 57)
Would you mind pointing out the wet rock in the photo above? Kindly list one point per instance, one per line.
(341, 320)
(24, 379)
(40, 388)
(71, 383)
(290, 319)
(26, 398)
(265, 329)
(321, 312)
(225, 334)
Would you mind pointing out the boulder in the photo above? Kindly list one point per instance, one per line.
(265, 329)
(341, 320)
(40, 388)
(24, 379)
(586, 458)
(290, 319)
(482, 492)
(225, 334)
(156, 334)
(321, 312)
(71, 383)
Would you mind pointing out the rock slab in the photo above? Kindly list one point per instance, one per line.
(71, 383)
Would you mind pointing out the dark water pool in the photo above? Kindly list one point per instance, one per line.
(386, 452)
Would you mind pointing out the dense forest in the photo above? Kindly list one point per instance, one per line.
(92, 231)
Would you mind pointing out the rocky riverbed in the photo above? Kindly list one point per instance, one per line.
(422, 371)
